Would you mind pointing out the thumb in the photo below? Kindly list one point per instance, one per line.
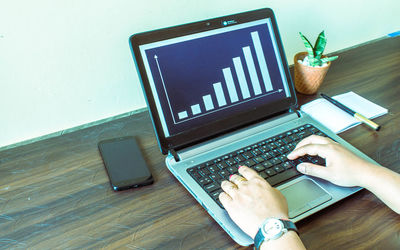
(313, 170)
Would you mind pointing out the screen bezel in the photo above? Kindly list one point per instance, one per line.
(230, 123)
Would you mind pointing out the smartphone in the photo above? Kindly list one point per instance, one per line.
(124, 162)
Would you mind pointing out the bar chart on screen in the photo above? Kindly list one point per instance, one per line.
(247, 78)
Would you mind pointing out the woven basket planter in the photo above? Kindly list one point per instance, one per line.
(307, 79)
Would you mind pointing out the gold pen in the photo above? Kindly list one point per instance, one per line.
(356, 115)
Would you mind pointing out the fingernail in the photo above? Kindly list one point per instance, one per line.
(240, 167)
(300, 168)
(230, 176)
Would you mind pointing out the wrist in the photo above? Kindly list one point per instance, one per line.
(369, 176)
(273, 229)
(289, 240)
(258, 225)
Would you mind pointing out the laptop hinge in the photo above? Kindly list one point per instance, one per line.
(174, 154)
(296, 111)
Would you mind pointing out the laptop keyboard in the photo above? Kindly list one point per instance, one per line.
(267, 157)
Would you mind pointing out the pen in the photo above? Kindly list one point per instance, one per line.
(356, 115)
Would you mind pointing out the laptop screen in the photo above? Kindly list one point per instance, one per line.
(209, 76)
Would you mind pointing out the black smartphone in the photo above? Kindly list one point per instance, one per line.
(124, 163)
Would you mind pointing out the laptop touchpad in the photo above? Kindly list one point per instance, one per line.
(303, 196)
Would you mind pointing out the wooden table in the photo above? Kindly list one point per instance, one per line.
(55, 193)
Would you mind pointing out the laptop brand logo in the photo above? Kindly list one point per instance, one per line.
(228, 22)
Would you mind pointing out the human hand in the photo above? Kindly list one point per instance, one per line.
(249, 200)
(343, 168)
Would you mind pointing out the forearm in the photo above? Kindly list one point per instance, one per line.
(289, 240)
(385, 184)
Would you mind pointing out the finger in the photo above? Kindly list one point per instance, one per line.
(225, 199)
(309, 149)
(313, 139)
(313, 170)
(229, 188)
(237, 179)
(248, 173)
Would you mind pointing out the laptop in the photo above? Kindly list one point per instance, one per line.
(220, 95)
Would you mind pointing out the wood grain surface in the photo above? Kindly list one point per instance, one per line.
(55, 193)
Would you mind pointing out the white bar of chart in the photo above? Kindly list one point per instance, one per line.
(219, 94)
(228, 83)
(183, 115)
(241, 77)
(261, 60)
(208, 102)
(195, 109)
(252, 70)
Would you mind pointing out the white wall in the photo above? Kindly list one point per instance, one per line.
(64, 63)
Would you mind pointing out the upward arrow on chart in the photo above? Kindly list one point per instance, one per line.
(162, 80)
(159, 70)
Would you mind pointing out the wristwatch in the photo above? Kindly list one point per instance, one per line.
(272, 229)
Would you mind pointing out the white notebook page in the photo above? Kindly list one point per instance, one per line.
(338, 120)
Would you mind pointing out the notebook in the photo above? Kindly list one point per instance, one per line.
(219, 92)
(338, 120)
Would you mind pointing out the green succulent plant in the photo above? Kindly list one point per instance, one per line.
(315, 53)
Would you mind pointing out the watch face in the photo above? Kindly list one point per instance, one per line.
(273, 228)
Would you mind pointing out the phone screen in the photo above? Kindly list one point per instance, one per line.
(124, 162)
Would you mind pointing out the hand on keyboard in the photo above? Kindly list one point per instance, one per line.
(250, 199)
(342, 166)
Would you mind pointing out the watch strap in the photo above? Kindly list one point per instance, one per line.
(289, 225)
(259, 238)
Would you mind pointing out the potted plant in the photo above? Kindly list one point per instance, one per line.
(311, 67)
